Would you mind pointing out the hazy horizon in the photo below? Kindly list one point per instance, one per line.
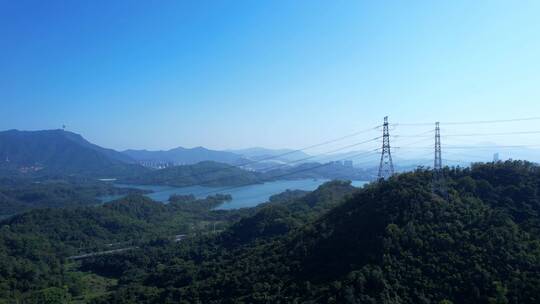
(242, 74)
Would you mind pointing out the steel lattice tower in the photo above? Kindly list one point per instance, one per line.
(438, 184)
(386, 167)
(437, 164)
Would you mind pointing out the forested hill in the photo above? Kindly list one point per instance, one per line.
(207, 173)
(391, 242)
(35, 246)
(51, 152)
(19, 195)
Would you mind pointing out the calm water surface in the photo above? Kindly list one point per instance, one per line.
(246, 196)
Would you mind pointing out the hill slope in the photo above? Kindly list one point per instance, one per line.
(392, 242)
(60, 152)
(35, 246)
(205, 173)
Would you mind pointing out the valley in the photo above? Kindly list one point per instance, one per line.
(242, 196)
(269, 152)
(330, 244)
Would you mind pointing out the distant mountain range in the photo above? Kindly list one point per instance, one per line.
(184, 156)
(214, 174)
(251, 158)
(59, 152)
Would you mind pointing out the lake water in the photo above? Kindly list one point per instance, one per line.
(245, 196)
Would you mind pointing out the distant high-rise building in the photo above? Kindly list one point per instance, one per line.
(495, 157)
(348, 163)
(336, 163)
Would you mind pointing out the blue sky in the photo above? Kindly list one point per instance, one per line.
(235, 74)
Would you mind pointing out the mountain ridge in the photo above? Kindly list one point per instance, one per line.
(47, 152)
(185, 156)
(391, 242)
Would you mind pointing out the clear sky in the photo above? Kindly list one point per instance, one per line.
(235, 74)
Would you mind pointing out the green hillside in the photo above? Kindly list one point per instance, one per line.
(35, 246)
(390, 242)
(207, 173)
(393, 242)
(58, 152)
(22, 194)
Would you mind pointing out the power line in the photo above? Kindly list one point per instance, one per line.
(490, 121)
(493, 134)
(204, 182)
(366, 153)
(468, 134)
(479, 147)
(386, 158)
(412, 143)
(312, 146)
(251, 162)
(478, 157)
(470, 122)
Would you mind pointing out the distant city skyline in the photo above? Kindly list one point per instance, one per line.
(276, 74)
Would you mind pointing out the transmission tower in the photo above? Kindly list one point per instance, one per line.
(438, 184)
(437, 164)
(386, 167)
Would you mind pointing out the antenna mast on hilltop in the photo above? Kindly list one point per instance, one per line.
(386, 167)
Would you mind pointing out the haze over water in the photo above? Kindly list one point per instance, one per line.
(242, 197)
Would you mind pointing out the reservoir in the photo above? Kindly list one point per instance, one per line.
(242, 197)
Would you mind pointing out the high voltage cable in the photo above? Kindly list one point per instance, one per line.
(374, 162)
(201, 183)
(423, 134)
(492, 134)
(328, 153)
(293, 151)
(412, 143)
(396, 136)
(467, 155)
(480, 147)
(471, 134)
(490, 121)
(473, 122)
(366, 153)
(312, 146)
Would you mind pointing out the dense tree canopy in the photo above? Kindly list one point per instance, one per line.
(35, 246)
(23, 194)
(390, 242)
